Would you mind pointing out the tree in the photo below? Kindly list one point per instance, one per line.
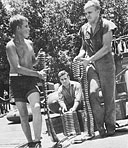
(117, 11)
(55, 25)
(4, 65)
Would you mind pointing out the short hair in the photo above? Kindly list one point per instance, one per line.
(63, 72)
(16, 20)
(91, 3)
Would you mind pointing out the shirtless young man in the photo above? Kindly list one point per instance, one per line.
(23, 85)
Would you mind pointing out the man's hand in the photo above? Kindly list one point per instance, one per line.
(84, 61)
(42, 74)
(76, 58)
(72, 109)
(64, 108)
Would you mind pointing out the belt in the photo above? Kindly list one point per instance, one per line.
(15, 75)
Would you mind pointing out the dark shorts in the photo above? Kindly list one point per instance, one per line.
(21, 87)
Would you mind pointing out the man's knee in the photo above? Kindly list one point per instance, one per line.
(37, 109)
(53, 102)
(54, 107)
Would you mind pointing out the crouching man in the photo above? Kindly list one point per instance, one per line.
(68, 97)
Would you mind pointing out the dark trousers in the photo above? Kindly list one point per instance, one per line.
(102, 76)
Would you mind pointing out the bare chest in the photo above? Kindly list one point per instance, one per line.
(24, 53)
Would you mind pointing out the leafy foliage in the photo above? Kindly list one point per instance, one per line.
(118, 13)
(55, 25)
(4, 65)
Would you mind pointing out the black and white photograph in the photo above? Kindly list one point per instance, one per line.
(63, 73)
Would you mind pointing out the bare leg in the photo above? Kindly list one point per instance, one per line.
(34, 100)
(22, 107)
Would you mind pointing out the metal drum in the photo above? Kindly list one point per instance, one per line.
(71, 123)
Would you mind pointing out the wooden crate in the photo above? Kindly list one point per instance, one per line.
(120, 88)
(120, 109)
(57, 123)
(70, 123)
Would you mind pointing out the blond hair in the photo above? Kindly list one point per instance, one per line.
(16, 20)
(63, 72)
(91, 3)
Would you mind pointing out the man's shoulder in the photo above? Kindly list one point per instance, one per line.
(60, 88)
(28, 41)
(83, 29)
(10, 44)
(86, 25)
(75, 83)
(108, 23)
(105, 21)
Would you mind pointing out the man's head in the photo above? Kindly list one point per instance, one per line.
(17, 21)
(94, 3)
(92, 10)
(64, 78)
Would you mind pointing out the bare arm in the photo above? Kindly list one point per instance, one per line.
(81, 52)
(34, 59)
(78, 96)
(107, 38)
(61, 100)
(14, 63)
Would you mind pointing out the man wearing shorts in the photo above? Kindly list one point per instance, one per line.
(23, 79)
